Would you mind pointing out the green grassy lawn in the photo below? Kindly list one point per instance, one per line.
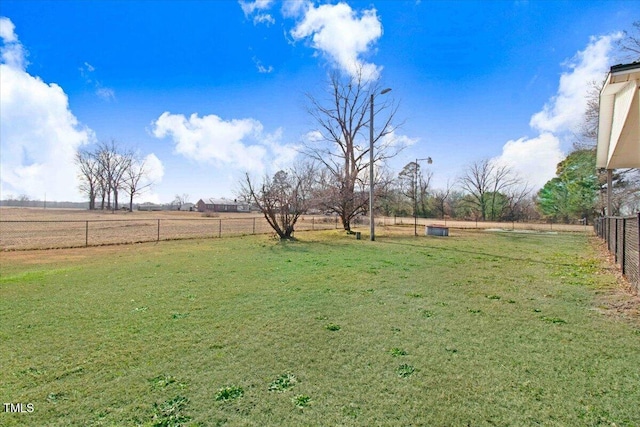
(475, 329)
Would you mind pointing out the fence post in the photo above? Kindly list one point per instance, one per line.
(615, 241)
(624, 236)
(86, 234)
(158, 238)
(254, 225)
(313, 223)
(220, 228)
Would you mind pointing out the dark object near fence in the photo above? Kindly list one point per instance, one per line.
(622, 236)
(437, 230)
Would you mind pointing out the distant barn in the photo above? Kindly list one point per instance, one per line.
(149, 207)
(222, 205)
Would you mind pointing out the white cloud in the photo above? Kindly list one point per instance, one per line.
(12, 51)
(263, 18)
(39, 135)
(261, 68)
(154, 174)
(339, 33)
(392, 139)
(533, 160)
(104, 93)
(154, 167)
(565, 111)
(536, 159)
(239, 143)
(295, 8)
(248, 7)
(257, 7)
(7, 31)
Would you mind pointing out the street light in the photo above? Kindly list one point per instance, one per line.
(372, 231)
(415, 194)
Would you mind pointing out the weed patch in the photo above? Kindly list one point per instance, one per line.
(426, 313)
(555, 320)
(170, 413)
(229, 393)
(301, 401)
(332, 327)
(396, 352)
(283, 383)
(405, 370)
(179, 315)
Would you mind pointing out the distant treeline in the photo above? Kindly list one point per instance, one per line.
(27, 203)
(43, 204)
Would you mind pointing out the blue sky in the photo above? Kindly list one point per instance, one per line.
(207, 90)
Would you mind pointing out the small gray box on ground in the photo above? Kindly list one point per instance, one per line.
(436, 230)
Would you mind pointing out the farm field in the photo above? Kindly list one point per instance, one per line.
(25, 228)
(476, 329)
(33, 228)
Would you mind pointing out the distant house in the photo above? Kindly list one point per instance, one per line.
(188, 207)
(222, 205)
(149, 207)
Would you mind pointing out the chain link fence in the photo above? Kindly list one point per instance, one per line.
(51, 234)
(622, 235)
(35, 233)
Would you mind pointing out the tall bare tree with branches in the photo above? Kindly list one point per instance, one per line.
(109, 169)
(341, 144)
(113, 164)
(486, 183)
(89, 175)
(134, 178)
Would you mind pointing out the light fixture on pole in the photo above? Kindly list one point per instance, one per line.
(372, 225)
(415, 194)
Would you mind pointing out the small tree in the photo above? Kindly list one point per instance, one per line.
(180, 200)
(281, 199)
(133, 180)
(440, 201)
(414, 185)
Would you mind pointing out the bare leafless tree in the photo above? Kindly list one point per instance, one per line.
(134, 179)
(282, 198)
(629, 45)
(342, 144)
(180, 199)
(440, 201)
(106, 171)
(588, 136)
(485, 182)
(89, 175)
(114, 163)
(518, 200)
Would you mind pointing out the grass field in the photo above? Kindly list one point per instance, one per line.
(475, 329)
